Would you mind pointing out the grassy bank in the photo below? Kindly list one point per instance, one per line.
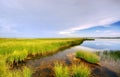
(18, 50)
(6, 72)
(80, 70)
(88, 56)
(61, 70)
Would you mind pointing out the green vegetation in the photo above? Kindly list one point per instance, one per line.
(16, 56)
(109, 54)
(5, 72)
(3, 67)
(25, 72)
(113, 54)
(19, 49)
(81, 71)
(87, 56)
(61, 71)
(13, 51)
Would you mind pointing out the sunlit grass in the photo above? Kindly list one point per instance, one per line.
(88, 56)
(25, 72)
(6, 72)
(17, 56)
(17, 50)
(81, 70)
(3, 66)
(61, 71)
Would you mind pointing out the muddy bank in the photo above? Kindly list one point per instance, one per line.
(45, 53)
(43, 67)
(111, 63)
(98, 70)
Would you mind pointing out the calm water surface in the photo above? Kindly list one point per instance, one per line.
(103, 44)
(41, 65)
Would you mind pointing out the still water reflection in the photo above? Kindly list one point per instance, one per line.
(103, 44)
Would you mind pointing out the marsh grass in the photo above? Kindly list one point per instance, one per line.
(6, 72)
(16, 56)
(114, 54)
(61, 71)
(17, 50)
(25, 72)
(88, 56)
(3, 67)
(81, 70)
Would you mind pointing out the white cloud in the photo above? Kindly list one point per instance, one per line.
(109, 33)
(105, 22)
(65, 16)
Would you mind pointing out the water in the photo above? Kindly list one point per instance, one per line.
(106, 61)
(60, 56)
(43, 66)
(103, 44)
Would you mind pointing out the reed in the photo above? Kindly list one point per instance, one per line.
(113, 54)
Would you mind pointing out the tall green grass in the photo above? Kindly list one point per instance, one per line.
(16, 56)
(61, 71)
(25, 72)
(88, 56)
(81, 70)
(3, 66)
(17, 50)
(6, 72)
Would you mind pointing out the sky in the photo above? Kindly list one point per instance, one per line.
(59, 18)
